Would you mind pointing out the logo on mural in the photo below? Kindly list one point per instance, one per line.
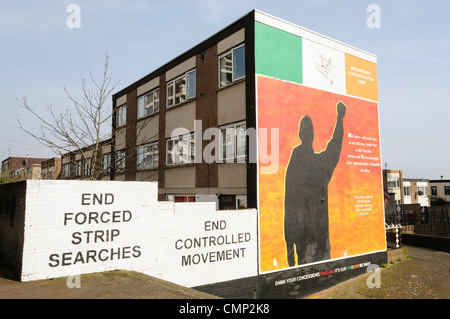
(326, 68)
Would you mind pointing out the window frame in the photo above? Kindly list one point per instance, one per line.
(66, 170)
(154, 164)
(187, 197)
(78, 168)
(171, 98)
(233, 75)
(447, 190)
(424, 191)
(121, 115)
(106, 163)
(239, 157)
(407, 191)
(154, 101)
(433, 191)
(240, 198)
(87, 168)
(190, 148)
(119, 163)
(395, 180)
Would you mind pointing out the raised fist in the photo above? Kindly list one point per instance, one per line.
(341, 109)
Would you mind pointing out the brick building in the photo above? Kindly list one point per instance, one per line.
(51, 168)
(22, 167)
(212, 86)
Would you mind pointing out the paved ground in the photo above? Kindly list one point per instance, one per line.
(424, 275)
(107, 285)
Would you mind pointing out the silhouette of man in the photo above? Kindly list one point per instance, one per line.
(306, 193)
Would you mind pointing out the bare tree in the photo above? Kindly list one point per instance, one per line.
(82, 128)
(82, 131)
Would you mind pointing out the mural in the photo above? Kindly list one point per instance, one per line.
(325, 201)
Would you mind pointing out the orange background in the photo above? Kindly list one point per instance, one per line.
(282, 105)
(367, 90)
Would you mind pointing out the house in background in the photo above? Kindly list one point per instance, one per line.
(51, 168)
(393, 184)
(79, 164)
(440, 188)
(407, 191)
(416, 191)
(22, 167)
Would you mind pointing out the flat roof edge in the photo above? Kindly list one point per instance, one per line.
(312, 35)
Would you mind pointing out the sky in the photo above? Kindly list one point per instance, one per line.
(40, 55)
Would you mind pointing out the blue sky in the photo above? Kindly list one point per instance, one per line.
(40, 55)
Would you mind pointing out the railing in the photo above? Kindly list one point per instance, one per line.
(433, 221)
(394, 235)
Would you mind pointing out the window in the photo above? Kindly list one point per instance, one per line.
(393, 182)
(180, 198)
(77, 168)
(44, 173)
(120, 160)
(181, 89)
(66, 169)
(241, 202)
(181, 150)
(407, 191)
(51, 172)
(227, 202)
(232, 66)
(147, 156)
(106, 166)
(148, 104)
(433, 190)
(121, 116)
(447, 190)
(422, 190)
(87, 166)
(233, 142)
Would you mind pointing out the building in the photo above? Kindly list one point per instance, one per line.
(440, 188)
(406, 191)
(416, 191)
(51, 168)
(90, 162)
(393, 184)
(210, 86)
(22, 167)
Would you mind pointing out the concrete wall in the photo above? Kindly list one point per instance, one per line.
(64, 228)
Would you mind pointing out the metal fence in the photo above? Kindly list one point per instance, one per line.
(434, 221)
(393, 236)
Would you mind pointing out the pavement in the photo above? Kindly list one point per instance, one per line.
(424, 274)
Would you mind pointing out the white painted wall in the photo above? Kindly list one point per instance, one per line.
(134, 232)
